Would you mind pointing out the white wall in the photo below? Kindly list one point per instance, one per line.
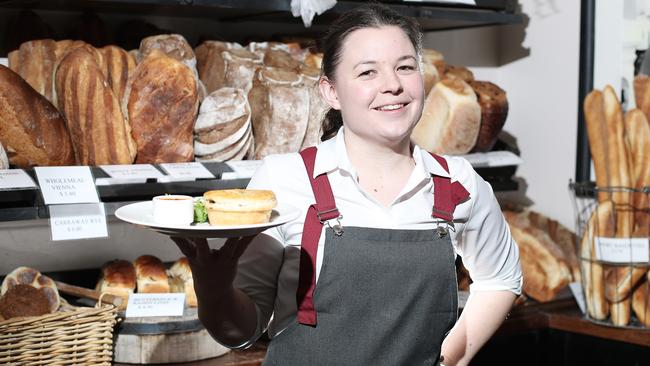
(542, 89)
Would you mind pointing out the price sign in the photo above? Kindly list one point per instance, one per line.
(15, 178)
(141, 305)
(242, 169)
(69, 184)
(185, 171)
(622, 250)
(121, 174)
(78, 221)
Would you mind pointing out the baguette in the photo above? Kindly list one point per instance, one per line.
(637, 133)
(597, 134)
(620, 312)
(601, 223)
(641, 303)
(151, 276)
(642, 94)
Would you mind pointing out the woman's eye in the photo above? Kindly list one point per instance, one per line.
(367, 73)
(406, 68)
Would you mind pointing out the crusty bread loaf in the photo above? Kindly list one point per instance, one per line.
(210, 64)
(222, 113)
(151, 276)
(239, 206)
(317, 107)
(601, 223)
(117, 278)
(280, 59)
(637, 135)
(161, 103)
(173, 45)
(641, 303)
(32, 131)
(100, 134)
(620, 312)
(34, 61)
(23, 300)
(642, 94)
(450, 120)
(494, 111)
(181, 280)
(279, 103)
(241, 66)
(34, 278)
(117, 64)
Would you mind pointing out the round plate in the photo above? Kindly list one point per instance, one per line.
(141, 214)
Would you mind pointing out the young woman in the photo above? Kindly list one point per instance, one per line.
(367, 277)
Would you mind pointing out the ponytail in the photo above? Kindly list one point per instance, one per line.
(331, 124)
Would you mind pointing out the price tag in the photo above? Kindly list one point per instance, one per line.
(184, 171)
(576, 290)
(493, 159)
(242, 169)
(68, 184)
(15, 178)
(141, 305)
(121, 174)
(4, 61)
(78, 221)
(622, 250)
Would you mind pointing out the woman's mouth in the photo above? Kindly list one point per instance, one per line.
(391, 107)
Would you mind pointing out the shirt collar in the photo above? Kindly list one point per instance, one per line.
(333, 155)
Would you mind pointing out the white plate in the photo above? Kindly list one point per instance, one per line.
(141, 214)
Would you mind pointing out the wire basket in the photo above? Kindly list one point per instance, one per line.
(70, 336)
(612, 229)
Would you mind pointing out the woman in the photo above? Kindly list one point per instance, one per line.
(375, 283)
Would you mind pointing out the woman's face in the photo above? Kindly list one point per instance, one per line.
(378, 86)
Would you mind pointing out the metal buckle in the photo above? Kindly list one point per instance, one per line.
(338, 228)
(443, 231)
(323, 213)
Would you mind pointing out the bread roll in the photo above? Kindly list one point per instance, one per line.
(34, 61)
(151, 276)
(239, 206)
(317, 108)
(641, 303)
(100, 134)
(161, 103)
(32, 131)
(279, 103)
(34, 278)
(180, 280)
(642, 94)
(620, 312)
(117, 278)
(494, 111)
(450, 120)
(22, 301)
(601, 223)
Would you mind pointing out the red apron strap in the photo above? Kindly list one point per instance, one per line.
(324, 209)
(446, 195)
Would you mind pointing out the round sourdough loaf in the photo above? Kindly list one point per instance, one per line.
(239, 206)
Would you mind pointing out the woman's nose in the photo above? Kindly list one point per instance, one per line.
(392, 83)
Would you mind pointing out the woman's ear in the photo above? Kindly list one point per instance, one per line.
(328, 92)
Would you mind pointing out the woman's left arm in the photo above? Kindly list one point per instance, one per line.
(483, 314)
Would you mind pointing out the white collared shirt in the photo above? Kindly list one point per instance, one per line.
(268, 270)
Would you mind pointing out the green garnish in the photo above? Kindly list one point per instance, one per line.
(200, 212)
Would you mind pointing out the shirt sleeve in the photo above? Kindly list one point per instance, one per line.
(489, 252)
(260, 264)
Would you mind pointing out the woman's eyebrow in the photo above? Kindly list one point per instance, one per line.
(372, 62)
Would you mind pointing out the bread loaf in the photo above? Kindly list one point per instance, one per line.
(637, 134)
(34, 61)
(601, 223)
(494, 111)
(317, 108)
(314, 60)
(241, 65)
(173, 45)
(279, 103)
(117, 278)
(430, 76)
(22, 301)
(620, 312)
(117, 64)
(33, 278)
(642, 94)
(65, 46)
(181, 280)
(161, 103)
(641, 303)
(151, 276)
(431, 56)
(450, 120)
(32, 131)
(447, 71)
(620, 281)
(280, 59)
(222, 113)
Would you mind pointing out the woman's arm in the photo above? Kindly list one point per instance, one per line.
(481, 317)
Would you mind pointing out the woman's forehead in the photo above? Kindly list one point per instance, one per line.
(373, 44)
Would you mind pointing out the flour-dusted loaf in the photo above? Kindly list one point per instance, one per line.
(173, 45)
(494, 111)
(34, 61)
(161, 104)
(32, 132)
(451, 119)
(210, 64)
(100, 133)
(117, 278)
(151, 275)
(117, 65)
(281, 59)
(241, 66)
(317, 107)
(181, 280)
(32, 277)
(279, 102)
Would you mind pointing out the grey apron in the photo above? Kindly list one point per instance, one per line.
(383, 297)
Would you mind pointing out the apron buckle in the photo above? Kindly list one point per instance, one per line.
(443, 231)
(338, 228)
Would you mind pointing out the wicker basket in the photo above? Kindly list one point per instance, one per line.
(71, 336)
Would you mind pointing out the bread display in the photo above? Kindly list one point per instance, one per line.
(23, 300)
(451, 119)
(279, 103)
(642, 94)
(181, 280)
(101, 134)
(151, 276)
(117, 278)
(317, 108)
(161, 104)
(239, 206)
(33, 278)
(34, 61)
(494, 111)
(32, 131)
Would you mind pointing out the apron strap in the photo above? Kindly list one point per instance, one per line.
(324, 209)
(446, 195)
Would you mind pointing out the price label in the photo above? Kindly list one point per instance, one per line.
(622, 250)
(576, 290)
(78, 221)
(185, 171)
(493, 159)
(69, 184)
(142, 305)
(15, 178)
(121, 174)
(242, 169)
